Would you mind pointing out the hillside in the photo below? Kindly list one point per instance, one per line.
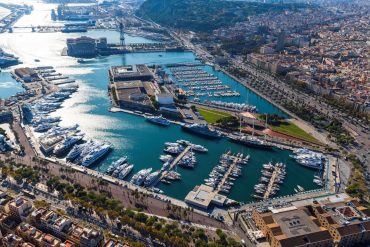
(204, 15)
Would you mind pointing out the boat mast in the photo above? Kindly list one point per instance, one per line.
(253, 128)
(240, 125)
(265, 126)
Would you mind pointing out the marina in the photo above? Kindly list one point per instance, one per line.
(229, 169)
(272, 176)
(196, 82)
(141, 141)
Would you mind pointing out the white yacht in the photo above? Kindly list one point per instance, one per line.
(95, 154)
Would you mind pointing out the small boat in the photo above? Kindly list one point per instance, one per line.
(300, 188)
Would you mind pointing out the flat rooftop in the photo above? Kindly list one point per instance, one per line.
(132, 72)
(203, 196)
(344, 213)
(296, 222)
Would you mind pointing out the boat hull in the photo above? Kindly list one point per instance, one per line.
(249, 144)
(205, 135)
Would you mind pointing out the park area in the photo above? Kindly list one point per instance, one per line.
(212, 116)
(294, 131)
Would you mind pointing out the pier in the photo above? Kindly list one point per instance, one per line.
(55, 78)
(235, 162)
(271, 183)
(197, 82)
(64, 82)
(175, 161)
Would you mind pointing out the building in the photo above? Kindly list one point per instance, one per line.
(131, 87)
(167, 105)
(12, 240)
(203, 197)
(29, 233)
(81, 47)
(20, 208)
(27, 74)
(48, 240)
(134, 95)
(266, 50)
(36, 216)
(68, 243)
(347, 221)
(291, 226)
(102, 43)
(280, 43)
(164, 99)
(130, 73)
(85, 236)
(6, 116)
(3, 228)
(4, 197)
(114, 243)
(7, 223)
(52, 222)
(332, 221)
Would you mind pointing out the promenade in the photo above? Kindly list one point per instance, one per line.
(119, 190)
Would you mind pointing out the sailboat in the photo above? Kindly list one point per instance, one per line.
(249, 141)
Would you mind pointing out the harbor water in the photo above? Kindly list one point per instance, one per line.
(131, 135)
(9, 86)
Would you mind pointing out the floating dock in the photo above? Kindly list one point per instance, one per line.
(174, 162)
(272, 182)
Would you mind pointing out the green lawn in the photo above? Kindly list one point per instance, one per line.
(211, 116)
(294, 130)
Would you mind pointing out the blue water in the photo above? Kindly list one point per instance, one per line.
(130, 135)
(246, 95)
(143, 142)
(9, 86)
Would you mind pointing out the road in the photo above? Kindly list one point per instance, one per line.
(154, 204)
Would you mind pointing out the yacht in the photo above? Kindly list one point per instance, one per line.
(139, 177)
(318, 182)
(7, 59)
(250, 141)
(300, 188)
(87, 148)
(174, 149)
(116, 164)
(75, 152)
(309, 158)
(66, 145)
(125, 171)
(199, 148)
(43, 127)
(156, 190)
(166, 166)
(95, 154)
(151, 178)
(202, 130)
(183, 142)
(166, 158)
(159, 120)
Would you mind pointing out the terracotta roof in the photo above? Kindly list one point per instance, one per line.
(349, 229)
(305, 239)
(268, 219)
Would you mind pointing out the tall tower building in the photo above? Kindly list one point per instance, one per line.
(122, 34)
(280, 44)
